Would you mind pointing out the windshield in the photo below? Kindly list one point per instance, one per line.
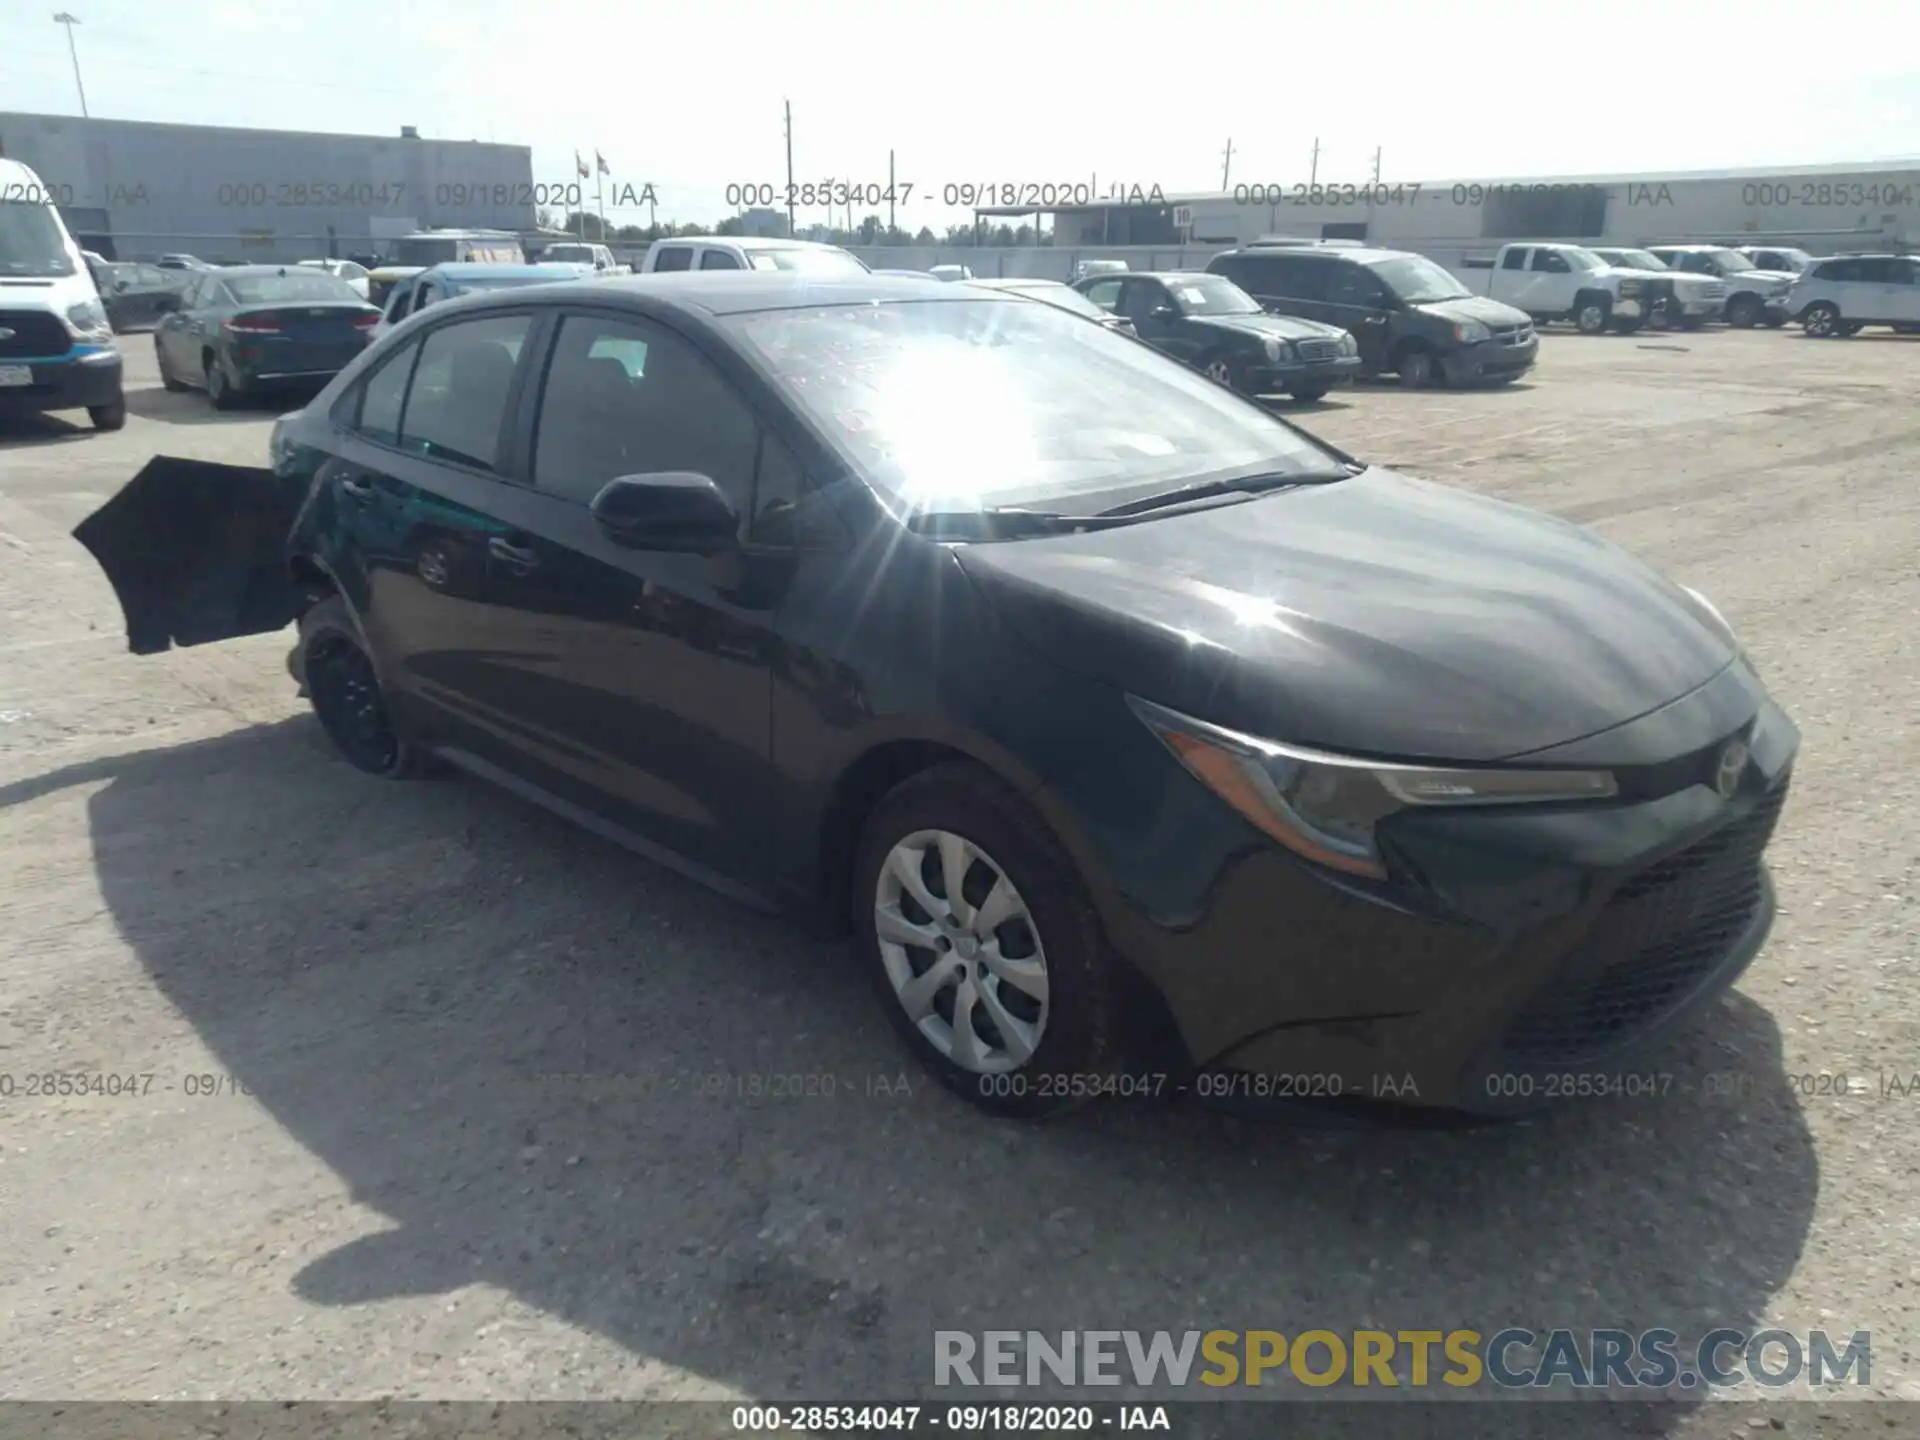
(1210, 295)
(291, 288)
(31, 242)
(1416, 280)
(1637, 260)
(807, 262)
(1727, 261)
(424, 252)
(1795, 260)
(979, 404)
(1582, 259)
(576, 254)
(1065, 296)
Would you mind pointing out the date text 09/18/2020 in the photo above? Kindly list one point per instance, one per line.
(1005, 194)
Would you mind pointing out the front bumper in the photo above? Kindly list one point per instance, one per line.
(1781, 305)
(1491, 360)
(89, 375)
(1519, 956)
(1300, 374)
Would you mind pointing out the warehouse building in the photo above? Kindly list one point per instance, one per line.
(1821, 208)
(132, 190)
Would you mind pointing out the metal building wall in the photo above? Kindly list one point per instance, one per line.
(265, 194)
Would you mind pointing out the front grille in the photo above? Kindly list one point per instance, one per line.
(1511, 334)
(35, 332)
(1318, 349)
(1655, 940)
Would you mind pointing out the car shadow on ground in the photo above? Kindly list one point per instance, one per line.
(186, 407)
(736, 1170)
(23, 430)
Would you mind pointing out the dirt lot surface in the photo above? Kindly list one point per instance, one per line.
(346, 1177)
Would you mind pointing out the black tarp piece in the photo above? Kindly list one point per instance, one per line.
(197, 552)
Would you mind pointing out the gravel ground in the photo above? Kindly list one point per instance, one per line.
(346, 1179)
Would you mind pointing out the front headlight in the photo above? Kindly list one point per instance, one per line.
(1276, 349)
(1470, 332)
(88, 320)
(1325, 807)
(1630, 287)
(1349, 345)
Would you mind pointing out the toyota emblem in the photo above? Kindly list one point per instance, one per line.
(1733, 764)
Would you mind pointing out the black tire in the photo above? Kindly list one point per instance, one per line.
(1081, 1035)
(1847, 329)
(1225, 370)
(1309, 393)
(339, 679)
(1692, 322)
(108, 417)
(1416, 368)
(1592, 314)
(1627, 327)
(1743, 311)
(219, 388)
(167, 382)
(1821, 320)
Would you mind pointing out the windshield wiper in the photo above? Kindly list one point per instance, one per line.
(1003, 524)
(1243, 485)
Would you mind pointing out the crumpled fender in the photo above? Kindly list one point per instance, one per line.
(197, 552)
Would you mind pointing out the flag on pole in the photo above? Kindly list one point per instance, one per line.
(579, 165)
(600, 161)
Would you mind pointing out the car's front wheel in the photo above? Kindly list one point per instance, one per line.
(108, 417)
(344, 688)
(1308, 393)
(1743, 312)
(1821, 320)
(984, 948)
(1225, 370)
(1593, 317)
(1416, 367)
(167, 382)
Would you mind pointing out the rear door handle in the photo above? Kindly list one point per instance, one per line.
(517, 558)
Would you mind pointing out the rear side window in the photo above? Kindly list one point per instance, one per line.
(1292, 277)
(457, 403)
(1837, 270)
(383, 394)
(673, 257)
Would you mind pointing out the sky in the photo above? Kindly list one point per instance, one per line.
(994, 92)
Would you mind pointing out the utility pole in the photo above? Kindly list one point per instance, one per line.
(790, 229)
(1313, 172)
(890, 224)
(68, 19)
(1376, 164)
(1226, 169)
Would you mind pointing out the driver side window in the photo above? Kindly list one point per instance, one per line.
(1139, 299)
(1551, 262)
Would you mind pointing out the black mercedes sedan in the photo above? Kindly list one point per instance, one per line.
(242, 329)
(1220, 330)
(1140, 737)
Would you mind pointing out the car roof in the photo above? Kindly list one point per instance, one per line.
(1172, 275)
(1010, 282)
(1363, 254)
(728, 292)
(243, 272)
(746, 242)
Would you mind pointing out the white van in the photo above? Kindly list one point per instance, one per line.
(56, 346)
(749, 252)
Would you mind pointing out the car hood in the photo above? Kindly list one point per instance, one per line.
(1282, 327)
(1378, 616)
(1762, 277)
(1474, 307)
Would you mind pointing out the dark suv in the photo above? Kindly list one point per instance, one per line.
(1410, 317)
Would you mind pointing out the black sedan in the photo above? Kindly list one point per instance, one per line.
(243, 329)
(1116, 715)
(1220, 330)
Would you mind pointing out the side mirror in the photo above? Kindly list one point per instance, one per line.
(1165, 314)
(674, 510)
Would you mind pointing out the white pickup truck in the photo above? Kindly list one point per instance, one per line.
(1558, 281)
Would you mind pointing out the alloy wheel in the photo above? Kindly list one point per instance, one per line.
(1220, 372)
(1820, 320)
(346, 697)
(961, 951)
(1592, 319)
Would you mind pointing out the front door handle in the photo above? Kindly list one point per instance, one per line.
(357, 486)
(517, 558)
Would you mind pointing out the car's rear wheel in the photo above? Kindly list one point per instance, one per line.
(1416, 367)
(108, 417)
(984, 948)
(167, 382)
(1821, 320)
(344, 689)
(220, 390)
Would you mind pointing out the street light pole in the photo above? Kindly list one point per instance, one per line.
(70, 20)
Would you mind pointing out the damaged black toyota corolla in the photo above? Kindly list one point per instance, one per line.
(1119, 717)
